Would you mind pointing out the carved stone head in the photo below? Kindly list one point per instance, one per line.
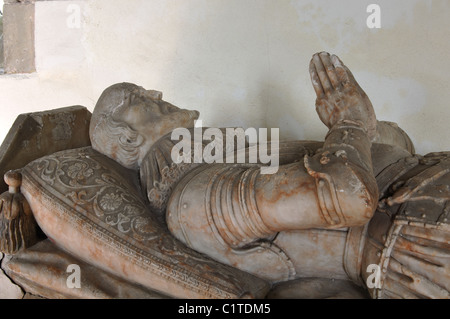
(127, 120)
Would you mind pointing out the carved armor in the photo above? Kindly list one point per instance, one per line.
(310, 218)
(219, 200)
(342, 169)
(409, 237)
(218, 209)
(214, 212)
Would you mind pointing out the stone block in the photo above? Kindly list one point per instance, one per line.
(18, 37)
(34, 135)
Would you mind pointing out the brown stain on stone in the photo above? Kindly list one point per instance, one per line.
(283, 185)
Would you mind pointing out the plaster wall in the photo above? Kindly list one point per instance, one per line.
(242, 62)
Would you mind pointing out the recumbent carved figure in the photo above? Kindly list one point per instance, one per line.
(333, 209)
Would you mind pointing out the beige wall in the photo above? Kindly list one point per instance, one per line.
(242, 62)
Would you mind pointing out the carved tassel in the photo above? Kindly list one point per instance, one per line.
(17, 224)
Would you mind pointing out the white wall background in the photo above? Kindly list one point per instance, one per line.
(242, 62)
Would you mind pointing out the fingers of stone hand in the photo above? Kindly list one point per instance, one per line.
(343, 73)
(322, 73)
(330, 69)
(315, 80)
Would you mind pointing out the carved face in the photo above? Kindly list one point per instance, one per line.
(152, 117)
(127, 120)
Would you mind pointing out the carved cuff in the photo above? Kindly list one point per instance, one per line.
(349, 140)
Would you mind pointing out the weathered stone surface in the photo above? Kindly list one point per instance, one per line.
(43, 272)
(8, 290)
(18, 37)
(18, 229)
(92, 207)
(342, 215)
(317, 288)
(34, 135)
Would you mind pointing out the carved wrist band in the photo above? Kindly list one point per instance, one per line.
(346, 125)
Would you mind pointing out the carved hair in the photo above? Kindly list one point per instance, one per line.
(118, 141)
(109, 136)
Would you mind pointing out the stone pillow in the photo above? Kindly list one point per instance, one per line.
(92, 207)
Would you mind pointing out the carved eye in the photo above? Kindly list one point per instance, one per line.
(124, 140)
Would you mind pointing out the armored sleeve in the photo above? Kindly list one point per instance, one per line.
(347, 192)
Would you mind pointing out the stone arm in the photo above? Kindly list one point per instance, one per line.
(336, 186)
(343, 171)
(332, 187)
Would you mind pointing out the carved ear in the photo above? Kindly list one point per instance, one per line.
(152, 94)
(17, 224)
(157, 94)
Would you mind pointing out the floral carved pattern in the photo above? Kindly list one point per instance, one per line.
(90, 186)
(102, 199)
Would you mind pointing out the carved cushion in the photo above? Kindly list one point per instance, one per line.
(44, 270)
(93, 208)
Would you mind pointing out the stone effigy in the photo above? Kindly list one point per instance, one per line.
(357, 215)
